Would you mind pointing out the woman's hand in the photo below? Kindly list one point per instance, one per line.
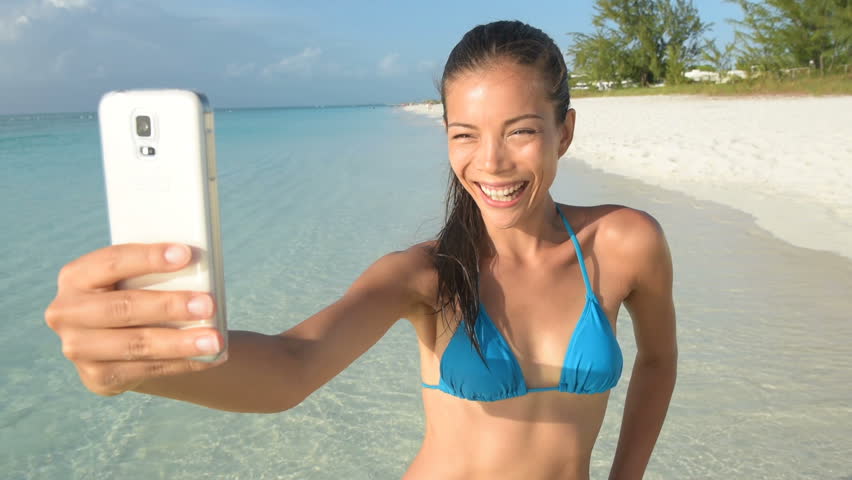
(112, 336)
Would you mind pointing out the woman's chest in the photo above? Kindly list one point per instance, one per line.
(529, 317)
(538, 315)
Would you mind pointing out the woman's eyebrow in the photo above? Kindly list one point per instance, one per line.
(507, 122)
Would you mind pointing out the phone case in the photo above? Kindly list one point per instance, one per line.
(160, 169)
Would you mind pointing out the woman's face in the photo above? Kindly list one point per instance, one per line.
(504, 142)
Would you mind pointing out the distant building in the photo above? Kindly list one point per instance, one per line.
(703, 76)
(581, 82)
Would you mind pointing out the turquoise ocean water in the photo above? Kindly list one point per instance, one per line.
(310, 197)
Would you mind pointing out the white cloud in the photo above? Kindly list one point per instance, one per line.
(24, 14)
(299, 63)
(10, 27)
(69, 4)
(389, 66)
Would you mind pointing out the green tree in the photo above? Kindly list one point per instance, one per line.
(643, 41)
(604, 57)
(720, 59)
(776, 34)
(682, 29)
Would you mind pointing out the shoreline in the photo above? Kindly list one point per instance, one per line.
(435, 110)
(786, 161)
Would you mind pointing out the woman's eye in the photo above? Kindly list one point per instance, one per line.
(462, 136)
(524, 131)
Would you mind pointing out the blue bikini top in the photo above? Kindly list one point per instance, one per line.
(592, 362)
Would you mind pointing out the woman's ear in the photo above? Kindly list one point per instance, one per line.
(567, 131)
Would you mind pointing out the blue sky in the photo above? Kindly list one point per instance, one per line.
(62, 55)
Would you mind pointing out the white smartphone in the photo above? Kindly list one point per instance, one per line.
(159, 160)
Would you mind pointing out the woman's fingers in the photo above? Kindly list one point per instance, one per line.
(129, 308)
(119, 338)
(113, 378)
(104, 267)
(134, 344)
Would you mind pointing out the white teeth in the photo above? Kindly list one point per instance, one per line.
(504, 194)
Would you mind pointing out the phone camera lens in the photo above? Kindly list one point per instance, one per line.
(143, 126)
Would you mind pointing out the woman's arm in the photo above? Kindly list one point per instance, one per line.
(271, 373)
(263, 373)
(653, 378)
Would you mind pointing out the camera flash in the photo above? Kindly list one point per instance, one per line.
(147, 151)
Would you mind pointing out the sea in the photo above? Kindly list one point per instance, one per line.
(310, 197)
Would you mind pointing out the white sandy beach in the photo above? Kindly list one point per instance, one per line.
(785, 160)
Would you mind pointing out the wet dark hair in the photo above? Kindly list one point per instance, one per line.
(460, 244)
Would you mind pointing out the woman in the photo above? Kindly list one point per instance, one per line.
(513, 304)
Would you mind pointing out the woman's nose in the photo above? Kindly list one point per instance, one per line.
(492, 156)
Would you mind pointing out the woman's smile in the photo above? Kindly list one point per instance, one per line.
(502, 195)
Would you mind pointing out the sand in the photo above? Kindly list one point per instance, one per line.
(787, 161)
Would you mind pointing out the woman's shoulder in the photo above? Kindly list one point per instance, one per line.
(414, 259)
(619, 232)
(413, 268)
(629, 244)
(616, 223)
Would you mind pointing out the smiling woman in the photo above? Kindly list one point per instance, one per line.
(513, 303)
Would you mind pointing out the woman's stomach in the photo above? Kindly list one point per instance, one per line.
(540, 435)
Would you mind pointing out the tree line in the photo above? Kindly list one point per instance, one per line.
(653, 41)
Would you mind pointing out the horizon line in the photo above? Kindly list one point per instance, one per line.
(231, 108)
